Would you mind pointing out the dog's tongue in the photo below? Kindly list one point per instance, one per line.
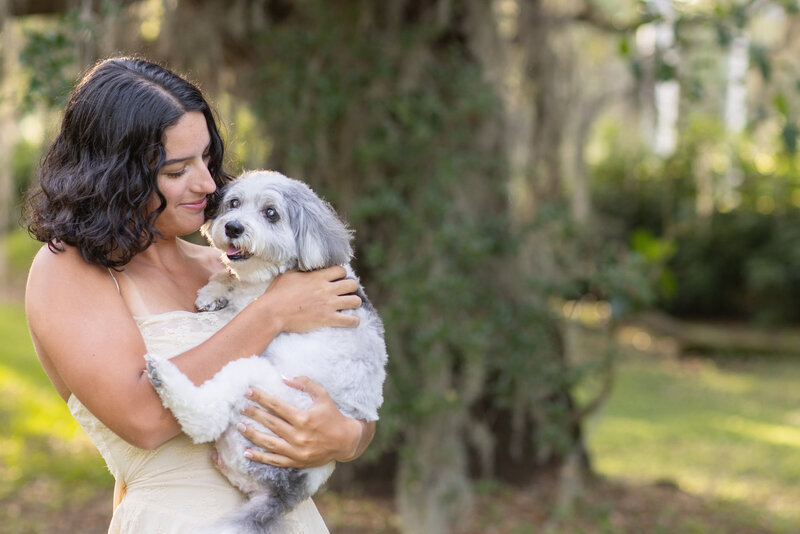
(233, 251)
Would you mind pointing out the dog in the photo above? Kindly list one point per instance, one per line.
(267, 224)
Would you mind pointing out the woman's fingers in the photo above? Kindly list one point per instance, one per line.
(268, 449)
(345, 286)
(331, 274)
(274, 423)
(303, 438)
(345, 290)
(270, 458)
(275, 450)
(306, 385)
(282, 417)
(349, 302)
(279, 416)
(306, 301)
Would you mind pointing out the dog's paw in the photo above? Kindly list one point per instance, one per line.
(213, 305)
(152, 373)
(212, 297)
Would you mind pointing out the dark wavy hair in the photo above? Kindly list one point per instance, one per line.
(101, 170)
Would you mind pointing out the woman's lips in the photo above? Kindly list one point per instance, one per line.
(199, 205)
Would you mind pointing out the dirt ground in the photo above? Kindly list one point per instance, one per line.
(604, 507)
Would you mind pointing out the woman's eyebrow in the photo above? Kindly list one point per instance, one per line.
(178, 160)
(175, 160)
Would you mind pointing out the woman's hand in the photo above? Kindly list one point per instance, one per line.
(306, 301)
(304, 438)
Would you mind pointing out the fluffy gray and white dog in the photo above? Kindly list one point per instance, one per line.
(267, 224)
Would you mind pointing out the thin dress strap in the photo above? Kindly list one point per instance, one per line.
(114, 278)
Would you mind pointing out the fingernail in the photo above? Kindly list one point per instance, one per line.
(248, 454)
(242, 427)
(249, 392)
(286, 378)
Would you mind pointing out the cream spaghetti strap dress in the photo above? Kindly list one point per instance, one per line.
(175, 488)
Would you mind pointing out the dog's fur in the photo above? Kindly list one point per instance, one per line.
(267, 224)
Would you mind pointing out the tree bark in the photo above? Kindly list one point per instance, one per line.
(8, 129)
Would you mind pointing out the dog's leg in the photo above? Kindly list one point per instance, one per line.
(215, 295)
(203, 412)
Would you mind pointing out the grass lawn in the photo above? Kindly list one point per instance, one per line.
(724, 428)
(46, 461)
(690, 445)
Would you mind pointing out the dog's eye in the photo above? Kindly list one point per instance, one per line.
(271, 215)
(233, 203)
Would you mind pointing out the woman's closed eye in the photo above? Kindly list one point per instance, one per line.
(176, 174)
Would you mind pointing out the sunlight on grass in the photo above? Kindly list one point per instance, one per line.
(45, 413)
(775, 434)
(723, 430)
(42, 441)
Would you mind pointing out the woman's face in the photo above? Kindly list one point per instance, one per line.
(184, 179)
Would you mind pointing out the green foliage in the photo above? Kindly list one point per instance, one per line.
(656, 252)
(25, 156)
(739, 261)
(20, 248)
(741, 264)
(49, 58)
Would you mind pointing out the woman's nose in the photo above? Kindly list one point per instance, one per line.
(205, 182)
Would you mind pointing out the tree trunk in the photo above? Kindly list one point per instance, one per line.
(432, 486)
(8, 130)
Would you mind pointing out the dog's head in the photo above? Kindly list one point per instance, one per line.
(267, 223)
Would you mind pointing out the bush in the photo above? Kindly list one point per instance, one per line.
(741, 261)
(742, 265)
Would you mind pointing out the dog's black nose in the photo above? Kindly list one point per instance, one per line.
(233, 229)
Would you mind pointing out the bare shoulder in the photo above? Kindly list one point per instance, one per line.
(57, 274)
(67, 262)
(49, 265)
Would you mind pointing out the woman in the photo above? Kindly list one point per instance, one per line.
(137, 164)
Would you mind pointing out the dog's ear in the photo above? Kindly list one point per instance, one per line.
(323, 240)
(212, 210)
(214, 202)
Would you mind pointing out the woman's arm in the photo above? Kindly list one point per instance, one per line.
(90, 345)
(305, 438)
(294, 302)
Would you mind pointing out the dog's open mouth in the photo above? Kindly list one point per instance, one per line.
(235, 254)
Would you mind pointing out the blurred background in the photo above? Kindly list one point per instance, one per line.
(579, 220)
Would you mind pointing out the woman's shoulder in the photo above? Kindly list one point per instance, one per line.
(49, 258)
(53, 266)
(61, 281)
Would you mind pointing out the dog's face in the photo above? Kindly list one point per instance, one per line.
(267, 223)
